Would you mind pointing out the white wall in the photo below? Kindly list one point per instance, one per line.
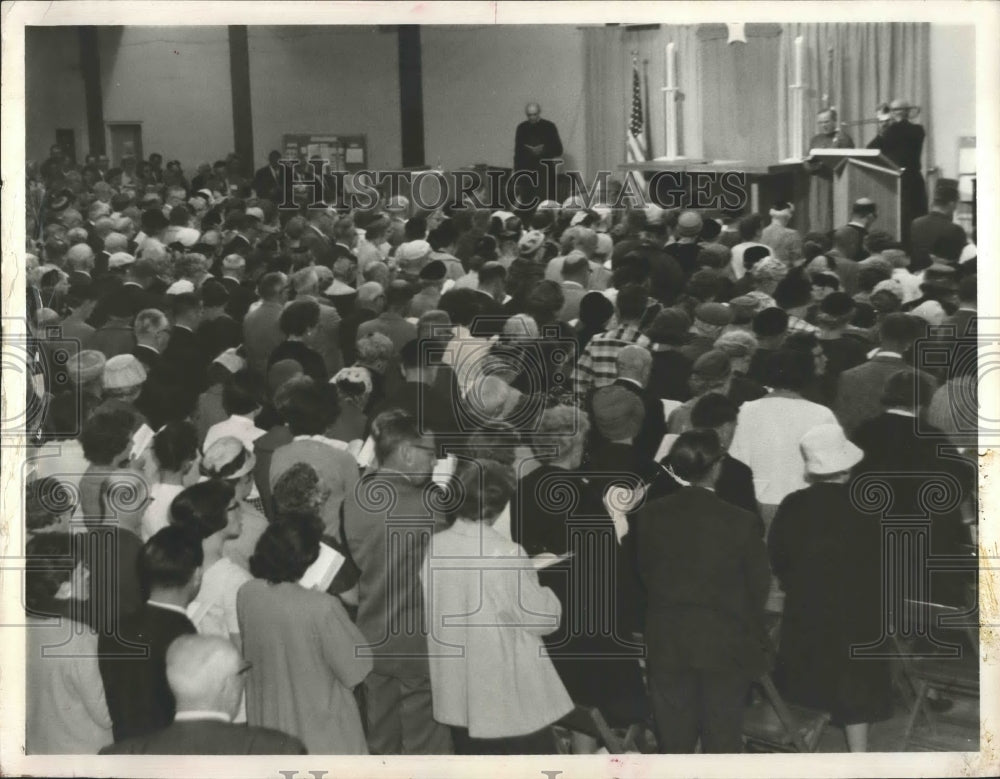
(476, 81)
(953, 92)
(54, 96)
(326, 80)
(175, 80)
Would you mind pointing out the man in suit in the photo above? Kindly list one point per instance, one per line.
(716, 411)
(206, 676)
(635, 365)
(133, 660)
(849, 240)
(392, 321)
(315, 238)
(326, 338)
(902, 452)
(261, 331)
(535, 140)
(575, 280)
(859, 389)
(268, 182)
(705, 568)
(234, 280)
(115, 336)
(152, 334)
(80, 260)
(936, 233)
(387, 543)
(184, 359)
(903, 142)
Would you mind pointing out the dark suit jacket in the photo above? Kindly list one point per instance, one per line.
(859, 391)
(542, 132)
(133, 667)
(706, 573)
(149, 357)
(319, 245)
(240, 298)
(935, 233)
(209, 737)
(310, 360)
(268, 184)
(654, 423)
(853, 238)
(735, 485)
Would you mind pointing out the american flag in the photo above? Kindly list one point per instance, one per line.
(636, 141)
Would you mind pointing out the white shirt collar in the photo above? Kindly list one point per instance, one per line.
(631, 380)
(336, 443)
(167, 606)
(202, 714)
(901, 413)
(883, 353)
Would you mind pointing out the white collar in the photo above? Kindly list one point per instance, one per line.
(631, 380)
(336, 443)
(202, 714)
(901, 413)
(876, 352)
(167, 606)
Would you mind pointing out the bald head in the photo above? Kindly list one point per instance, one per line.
(203, 673)
(533, 111)
(634, 362)
(80, 257)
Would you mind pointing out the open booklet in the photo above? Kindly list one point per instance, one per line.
(319, 575)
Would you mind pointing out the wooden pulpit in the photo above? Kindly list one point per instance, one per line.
(859, 173)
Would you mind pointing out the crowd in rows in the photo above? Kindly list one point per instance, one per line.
(396, 482)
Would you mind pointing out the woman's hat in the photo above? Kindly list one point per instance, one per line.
(227, 458)
(826, 450)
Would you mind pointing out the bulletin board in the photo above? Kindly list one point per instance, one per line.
(343, 152)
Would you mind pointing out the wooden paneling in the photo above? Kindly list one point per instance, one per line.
(739, 91)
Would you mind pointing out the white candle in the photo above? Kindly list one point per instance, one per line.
(800, 72)
(671, 65)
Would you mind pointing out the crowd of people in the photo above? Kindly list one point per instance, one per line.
(395, 482)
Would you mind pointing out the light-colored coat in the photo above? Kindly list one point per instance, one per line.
(486, 615)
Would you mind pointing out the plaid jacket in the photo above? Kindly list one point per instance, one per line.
(596, 367)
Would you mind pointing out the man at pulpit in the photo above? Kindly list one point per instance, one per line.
(830, 136)
(902, 141)
(535, 140)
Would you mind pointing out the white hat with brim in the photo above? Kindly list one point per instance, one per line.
(826, 450)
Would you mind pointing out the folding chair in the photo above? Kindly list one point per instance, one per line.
(952, 672)
(772, 725)
(589, 721)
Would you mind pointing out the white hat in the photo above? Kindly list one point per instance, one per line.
(548, 204)
(123, 371)
(256, 213)
(180, 286)
(412, 251)
(120, 260)
(826, 450)
(931, 312)
(227, 458)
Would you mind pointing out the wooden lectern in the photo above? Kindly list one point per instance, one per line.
(859, 173)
